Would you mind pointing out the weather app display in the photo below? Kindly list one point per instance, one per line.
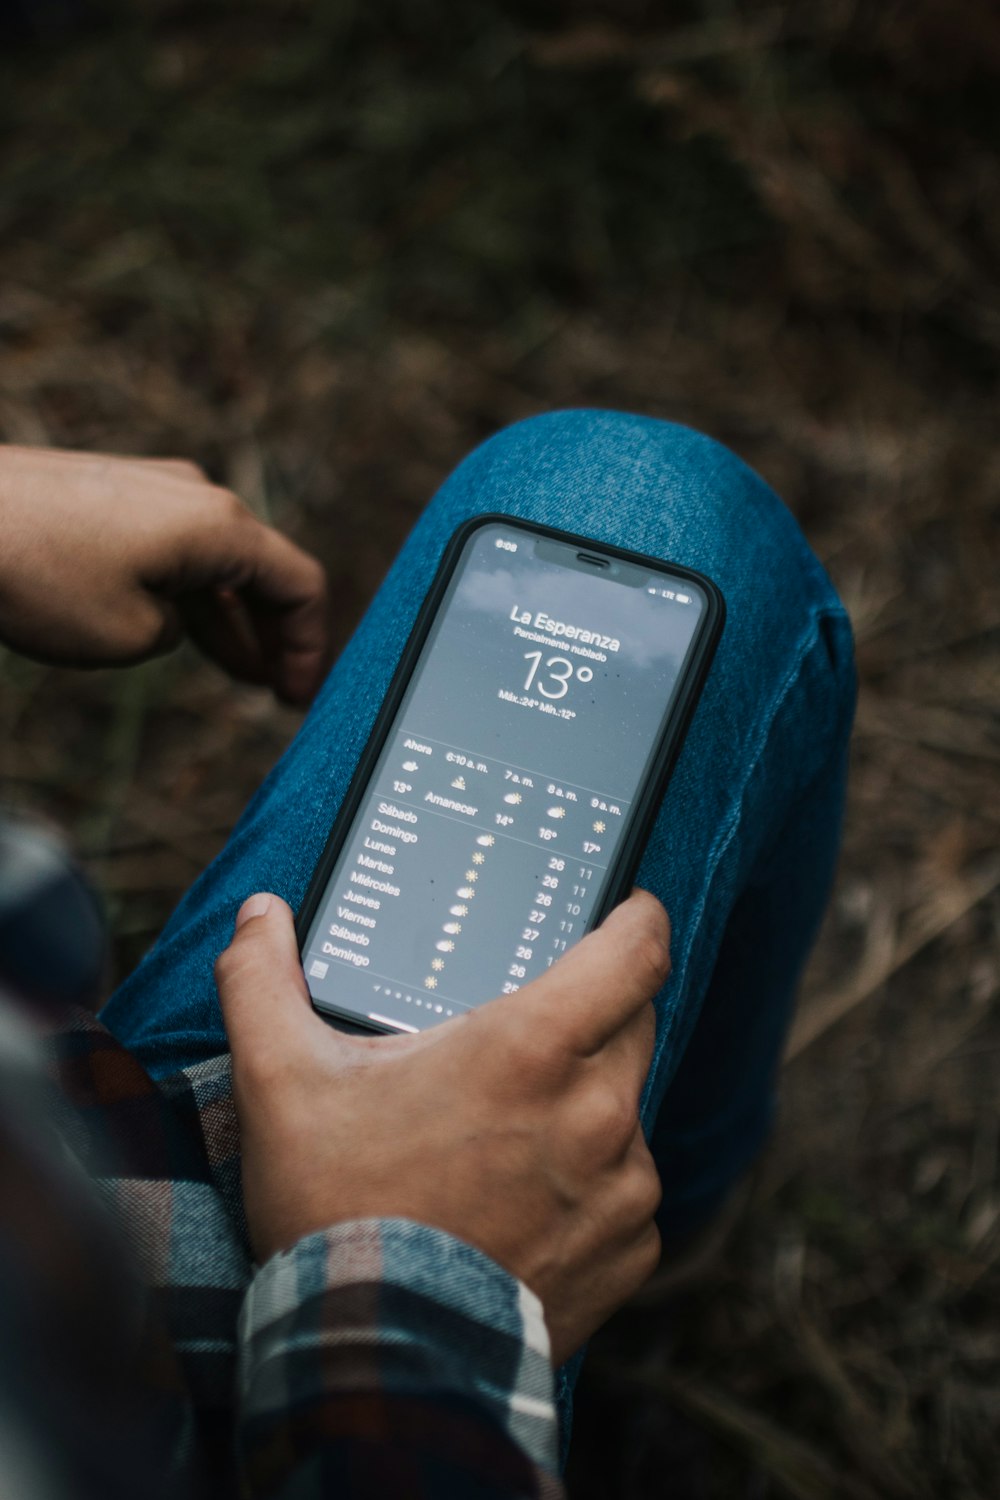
(496, 808)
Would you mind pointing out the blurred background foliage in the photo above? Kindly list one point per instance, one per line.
(323, 248)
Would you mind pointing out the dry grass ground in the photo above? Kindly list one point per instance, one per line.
(322, 249)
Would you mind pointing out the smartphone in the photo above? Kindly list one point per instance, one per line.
(504, 798)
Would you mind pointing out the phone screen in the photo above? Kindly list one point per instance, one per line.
(490, 825)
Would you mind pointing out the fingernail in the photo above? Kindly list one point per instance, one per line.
(253, 906)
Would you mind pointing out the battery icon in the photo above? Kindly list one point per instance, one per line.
(683, 598)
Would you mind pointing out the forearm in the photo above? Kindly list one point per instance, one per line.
(381, 1353)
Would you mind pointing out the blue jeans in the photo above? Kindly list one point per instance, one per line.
(743, 850)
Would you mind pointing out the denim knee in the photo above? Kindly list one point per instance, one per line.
(649, 484)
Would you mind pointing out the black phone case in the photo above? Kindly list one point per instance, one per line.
(649, 795)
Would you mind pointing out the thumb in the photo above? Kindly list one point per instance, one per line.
(262, 990)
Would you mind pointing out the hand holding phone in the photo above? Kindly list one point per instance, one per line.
(514, 1128)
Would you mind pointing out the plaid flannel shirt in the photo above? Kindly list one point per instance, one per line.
(143, 1352)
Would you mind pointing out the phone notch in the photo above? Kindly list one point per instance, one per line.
(583, 560)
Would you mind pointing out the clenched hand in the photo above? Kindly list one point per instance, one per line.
(110, 560)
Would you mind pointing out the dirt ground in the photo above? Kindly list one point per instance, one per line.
(323, 248)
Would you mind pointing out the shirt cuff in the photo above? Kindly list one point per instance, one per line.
(402, 1308)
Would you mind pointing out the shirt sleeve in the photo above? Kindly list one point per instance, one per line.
(385, 1357)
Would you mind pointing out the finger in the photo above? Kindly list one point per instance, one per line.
(281, 636)
(629, 1053)
(605, 981)
(645, 1186)
(287, 603)
(616, 1276)
(262, 990)
(220, 625)
(643, 1260)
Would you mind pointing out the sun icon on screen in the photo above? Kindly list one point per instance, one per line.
(437, 963)
(430, 983)
(599, 827)
(471, 875)
(479, 859)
